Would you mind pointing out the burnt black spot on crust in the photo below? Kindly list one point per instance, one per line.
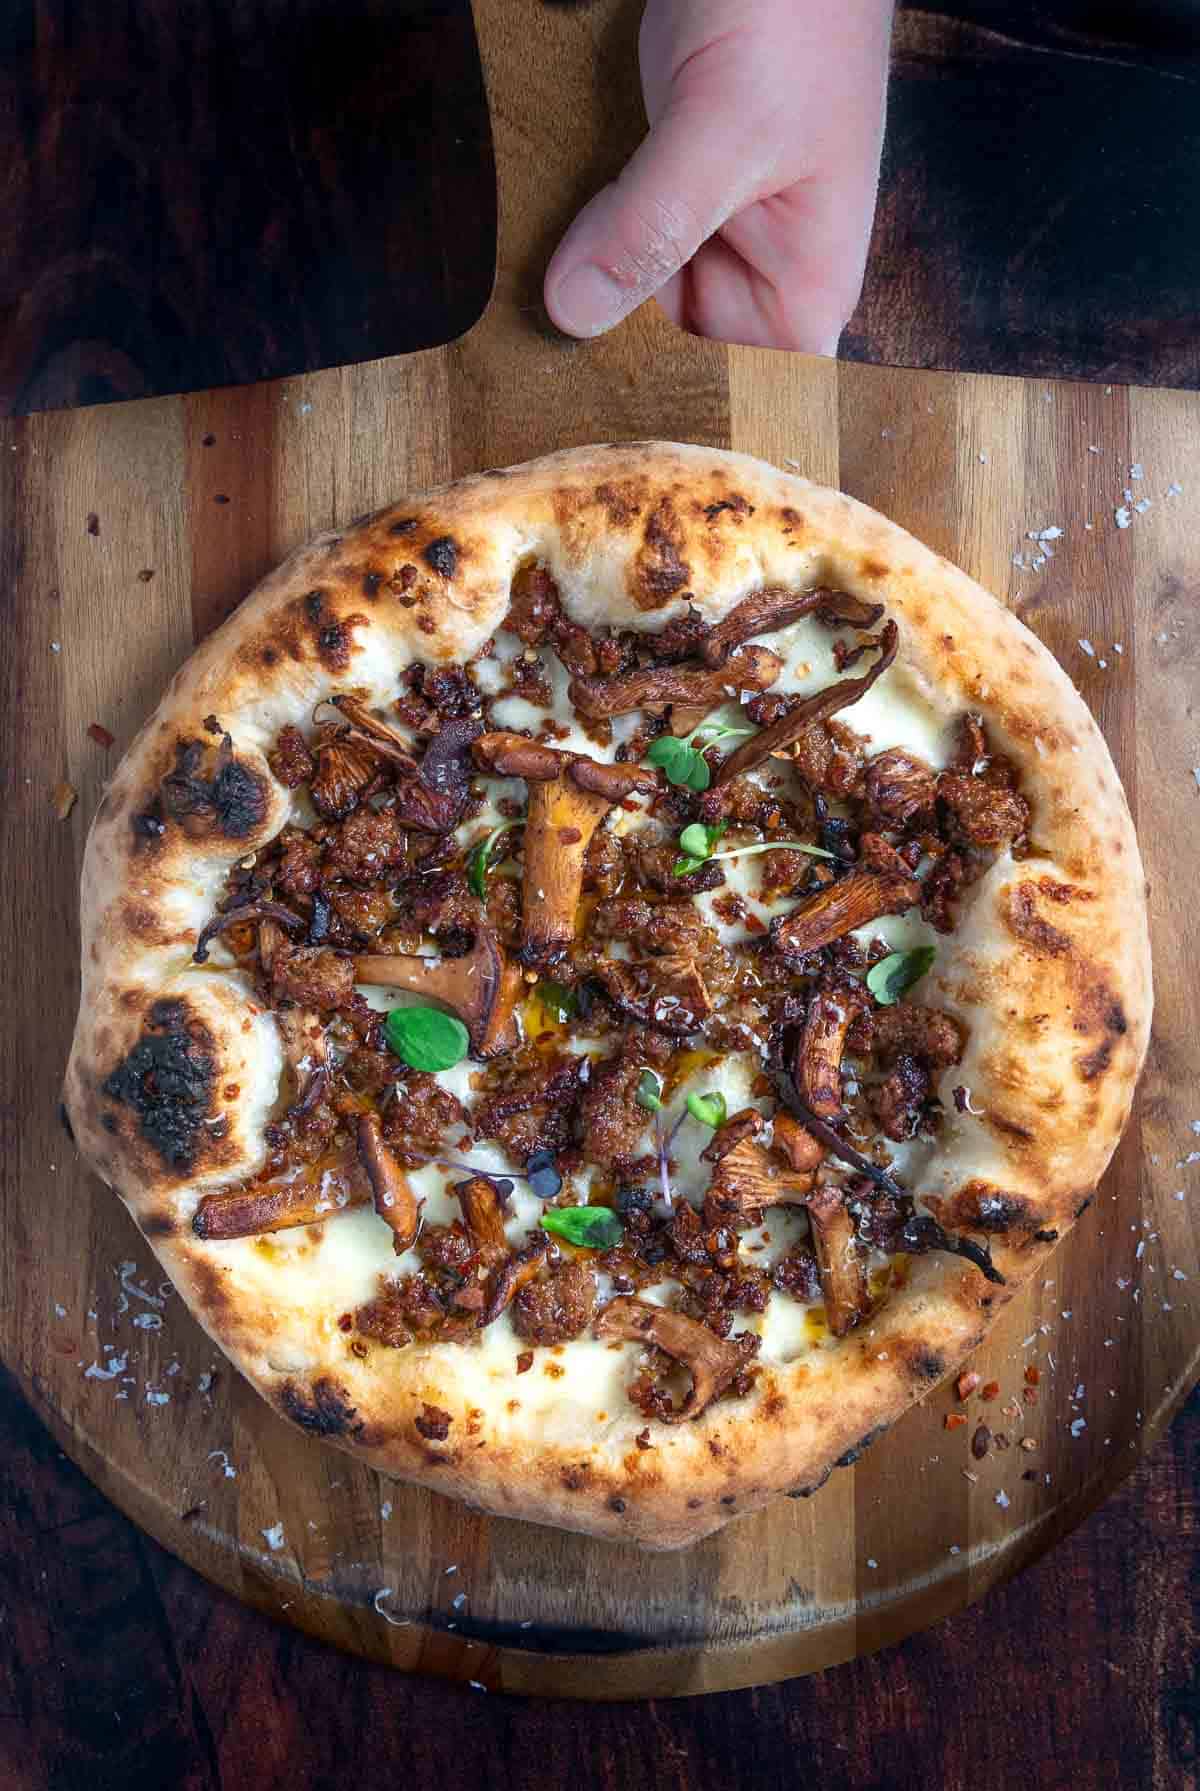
(851, 1456)
(576, 1478)
(404, 526)
(1083, 1206)
(157, 1225)
(737, 504)
(325, 1411)
(167, 1080)
(806, 1492)
(1046, 1237)
(617, 1505)
(442, 556)
(313, 605)
(148, 825)
(333, 645)
(371, 583)
(232, 802)
(991, 1209)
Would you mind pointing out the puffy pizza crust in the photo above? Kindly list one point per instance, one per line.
(1049, 972)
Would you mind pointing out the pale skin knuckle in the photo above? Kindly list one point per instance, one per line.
(662, 236)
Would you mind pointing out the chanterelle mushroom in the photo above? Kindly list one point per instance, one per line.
(569, 796)
(711, 1360)
(317, 1191)
(831, 1014)
(787, 730)
(839, 1260)
(702, 687)
(854, 901)
(775, 607)
(746, 1180)
(394, 1200)
(481, 988)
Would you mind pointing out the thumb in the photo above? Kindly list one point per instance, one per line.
(690, 175)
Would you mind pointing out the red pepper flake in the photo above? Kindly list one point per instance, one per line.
(100, 735)
(208, 441)
(93, 523)
(954, 1420)
(1030, 1474)
(63, 796)
(146, 574)
(1033, 1374)
(981, 1442)
(525, 1361)
(220, 498)
(990, 1391)
(642, 1439)
(345, 1322)
(966, 1384)
(1029, 1395)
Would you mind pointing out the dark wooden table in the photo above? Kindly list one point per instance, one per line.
(121, 1670)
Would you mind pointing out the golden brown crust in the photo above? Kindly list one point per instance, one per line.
(1048, 972)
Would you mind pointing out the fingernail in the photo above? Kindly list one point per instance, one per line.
(587, 302)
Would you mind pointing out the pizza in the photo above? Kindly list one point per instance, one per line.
(599, 982)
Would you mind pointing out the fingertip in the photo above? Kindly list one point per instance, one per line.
(583, 300)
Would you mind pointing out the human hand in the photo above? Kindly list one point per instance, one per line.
(747, 210)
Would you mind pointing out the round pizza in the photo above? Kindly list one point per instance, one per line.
(600, 980)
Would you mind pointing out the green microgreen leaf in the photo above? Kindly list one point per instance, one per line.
(649, 1091)
(587, 1227)
(558, 1001)
(691, 840)
(479, 862)
(682, 761)
(892, 976)
(709, 1109)
(425, 1038)
(698, 840)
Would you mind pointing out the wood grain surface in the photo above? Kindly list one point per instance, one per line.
(120, 1670)
(129, 531)
(202, 195)
(199, 197)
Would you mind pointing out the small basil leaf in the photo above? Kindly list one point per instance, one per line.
(649, 1091)
(697, 775)
(479, 861)
(709, 1109)
(892, 976)
(683, 867)
(588, 1227)
(425, 1038)
(666, 752)
(559, 1002)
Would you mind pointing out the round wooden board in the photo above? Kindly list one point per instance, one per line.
(206, 494)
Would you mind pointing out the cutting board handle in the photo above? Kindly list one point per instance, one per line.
(566, 110)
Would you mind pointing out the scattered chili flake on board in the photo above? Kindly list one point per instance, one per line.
(146, 574)
(93, 523)
(966, 1384)
(1029, 1395)
(100, 735)
(64, 797)
(525, 1361)
(990, 1391)
(954, 1420)
(981, 1442)
(1033, 1374)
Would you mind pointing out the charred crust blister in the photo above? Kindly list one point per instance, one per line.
(441, 556)
(231, 801)
(167, 1080)
(324, 1410)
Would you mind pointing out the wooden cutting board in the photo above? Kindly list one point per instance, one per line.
(128, 532)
